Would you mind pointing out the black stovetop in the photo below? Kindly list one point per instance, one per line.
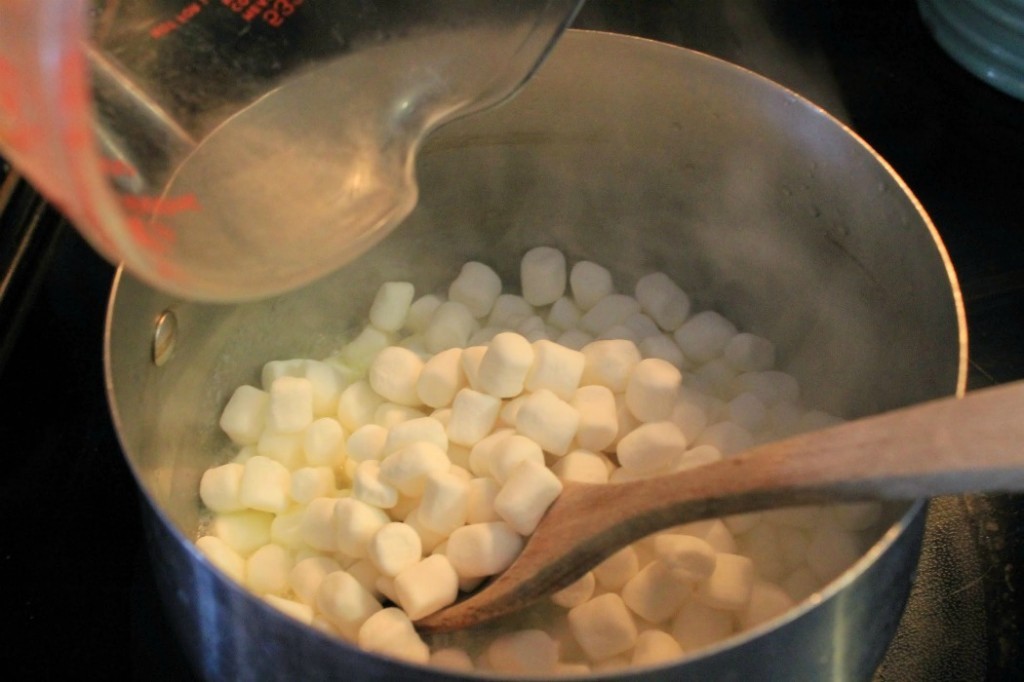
(77, 597)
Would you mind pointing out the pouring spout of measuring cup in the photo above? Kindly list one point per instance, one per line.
(226, 150)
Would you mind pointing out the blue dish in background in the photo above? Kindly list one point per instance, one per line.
(986, 37)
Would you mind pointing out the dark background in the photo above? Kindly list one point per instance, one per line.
(75, 592)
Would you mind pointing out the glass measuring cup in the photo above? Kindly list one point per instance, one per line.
(232, 149)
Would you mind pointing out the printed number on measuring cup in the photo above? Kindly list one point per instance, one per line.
(281, 10)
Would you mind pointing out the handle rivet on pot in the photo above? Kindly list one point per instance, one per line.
(165, 335)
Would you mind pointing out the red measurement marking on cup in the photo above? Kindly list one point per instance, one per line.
(117, 168)
(273, 12)
(150, 235)
(187, 14)
(167, 206)
(16, 130)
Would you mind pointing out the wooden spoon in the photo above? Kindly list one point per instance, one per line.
(948, 446)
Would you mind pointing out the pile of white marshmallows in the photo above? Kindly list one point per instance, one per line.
(372, 487)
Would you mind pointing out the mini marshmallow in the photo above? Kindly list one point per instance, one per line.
(729, 586)
(807, 517)
(655, 593)
(477, 287)
(451, 659)
(265, 485)
(473, 416)
(598, 421)
(323, 443)
(590, 283)
(575, 339)
(480, 494)
(748, 412)
(651, 390)
(394, 548)
(441, 378)
(221, 555)
(603, 627)
(801, 583)
(767, 601)
(761, 545)
(394, 373)
(655, 646)
(482, 452)
(703, 336)
(621, 332)
(391, 305)
(715, 377)
(741, 523)
(445, 503)
(345, 603)
(306, 575)
(698, 625)
(318, 527)
(390, 632)
(510, 410)
(291, 404)
(689, 415)
(244, 531)
(275, 369)
(509, 453)
(483, 336)
(727, 437)
(856, 516)
(616, 570)
(508, 311)
(407, 469)
(651, 447)
(284, 448)
(310, 482)
(542, 274)
(286, 529)
(642, 327)
(355, 523)
(688, 558)
(564, 314)
(663, 300)
(548, 420)
(612, 310)
(367, 442)
(293, 609)
(428, 538)
(357, 404)
(555, 368)
(663, 347)
(523, 652)
(713, 531)
(582, 466)
(609, 363)
(696, 457)
(219, 487)
(526, 495)
(576, 593)
(368, 487)
(469, 363)
(327, 382)
(423, 429)
(267, 569)
(390, 414)
(831, 551)
(360, 351)
(245, 415)
(505, 364)
(427, 586)
(483, 549)
(420, 311)
(532, 327)
(450, 327)
(749, 352)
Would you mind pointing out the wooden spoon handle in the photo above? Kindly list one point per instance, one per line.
(941, 447)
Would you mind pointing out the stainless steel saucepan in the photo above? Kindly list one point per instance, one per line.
(639, 156)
